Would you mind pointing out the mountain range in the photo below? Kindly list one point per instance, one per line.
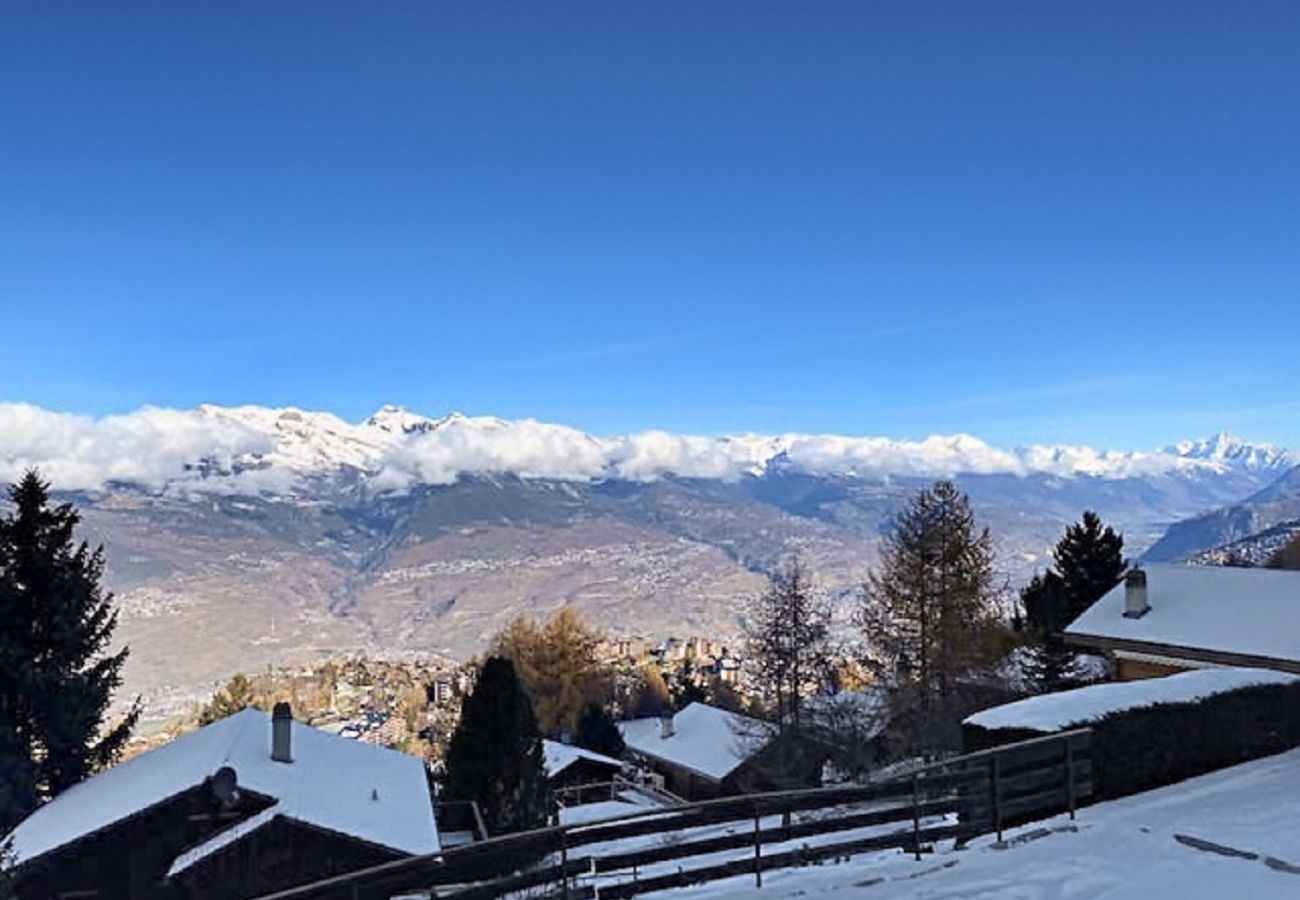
(242, 537)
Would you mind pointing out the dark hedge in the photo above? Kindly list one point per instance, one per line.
(1138, 749)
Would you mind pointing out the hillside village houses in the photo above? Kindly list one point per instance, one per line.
(1170, 618)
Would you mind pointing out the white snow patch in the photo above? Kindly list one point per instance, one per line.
(558, 757)
(1053, 712)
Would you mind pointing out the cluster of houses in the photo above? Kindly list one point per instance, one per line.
(258, 802)
(706, 657)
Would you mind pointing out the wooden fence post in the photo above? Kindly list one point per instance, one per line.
(916, 818)
(564, 865)
(996, 787)
(1069, 775)
(758, 849)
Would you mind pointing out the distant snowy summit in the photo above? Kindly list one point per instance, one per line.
(264, 450)
(1229, 450)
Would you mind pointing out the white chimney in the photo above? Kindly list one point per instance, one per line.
(666, 723)
(281, 733)
(1135, 594)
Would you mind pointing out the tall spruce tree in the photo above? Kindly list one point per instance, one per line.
(56, 623)
(495, 755)
(1089, 560)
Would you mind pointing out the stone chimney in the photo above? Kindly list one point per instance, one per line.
(666, 723)
(1135, 594)
(281, 733)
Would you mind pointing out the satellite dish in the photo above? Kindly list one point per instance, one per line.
(225, 786)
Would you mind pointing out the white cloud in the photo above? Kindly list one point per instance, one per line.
(150, 446)
(256, 450)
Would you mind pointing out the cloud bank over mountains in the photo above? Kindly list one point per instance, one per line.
(250, 449)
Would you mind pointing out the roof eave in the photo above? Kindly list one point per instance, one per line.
(1196, 654)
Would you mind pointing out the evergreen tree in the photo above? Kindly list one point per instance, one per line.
(931, 605)
(1051, 664)
(57, 677)
(598, 733)
(1090, 561)
(495, 756)
(238, 694)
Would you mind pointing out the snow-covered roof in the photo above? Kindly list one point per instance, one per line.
(377, 795)
(559, 757)
(1251, 612)
(709, 741)
(1053, 712)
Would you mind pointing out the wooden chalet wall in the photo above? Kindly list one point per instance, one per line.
(129, 860)
(280, 855)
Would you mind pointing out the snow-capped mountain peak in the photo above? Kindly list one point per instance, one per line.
(398, 420)
(1228, 450)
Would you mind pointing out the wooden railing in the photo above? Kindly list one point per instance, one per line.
(955, 799)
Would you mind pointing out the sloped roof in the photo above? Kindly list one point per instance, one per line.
(377, 795)
(1054, 712)
(1248, 612)
(559, 757)
(706, 740)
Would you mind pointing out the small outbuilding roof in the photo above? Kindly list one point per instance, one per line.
(1253, 614)
(559, 757)
(706, 740)
(376, 795)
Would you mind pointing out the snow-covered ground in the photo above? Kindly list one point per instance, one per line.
(1127, 848)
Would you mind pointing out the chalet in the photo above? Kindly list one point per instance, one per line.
(570, 767)
(250, 804)
(1170, 618)
(703, 752)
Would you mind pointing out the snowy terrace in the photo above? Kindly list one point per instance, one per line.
(1230, 834)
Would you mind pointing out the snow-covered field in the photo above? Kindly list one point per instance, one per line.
(1128, 848)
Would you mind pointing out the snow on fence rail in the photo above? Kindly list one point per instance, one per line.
(957, 799)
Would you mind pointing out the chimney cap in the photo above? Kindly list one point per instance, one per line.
(1135, 577)
(282, 710)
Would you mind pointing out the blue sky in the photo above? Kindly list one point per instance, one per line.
(1027, 221)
